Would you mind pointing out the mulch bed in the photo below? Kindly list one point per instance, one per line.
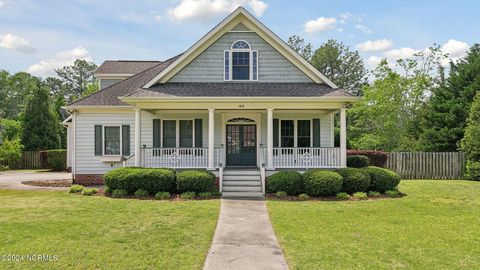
(48, 183)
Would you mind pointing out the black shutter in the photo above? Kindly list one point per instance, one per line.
(198, 133)
(316, 132)
(126, 140)
(98, 140)
(275, 133)
(156, 133)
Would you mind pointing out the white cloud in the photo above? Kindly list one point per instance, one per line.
(47, 67)
(455, 49)
(320, 24)
(16, 43)
(205, 10)
(373, 61)
(363, 29)
(375, 46)
(346, 15)
(405, 52)
(2, 2)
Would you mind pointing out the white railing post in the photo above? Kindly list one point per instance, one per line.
(211, 139)
(270, 139)
(343, 137)
(138, 153)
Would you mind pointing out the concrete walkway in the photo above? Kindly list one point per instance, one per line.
(14, 179)
(244, 238)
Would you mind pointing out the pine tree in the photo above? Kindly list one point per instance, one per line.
(470, 144)
(445, 116)
(40, 124)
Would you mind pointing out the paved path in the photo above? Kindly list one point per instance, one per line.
(13, 179)
(244, 238)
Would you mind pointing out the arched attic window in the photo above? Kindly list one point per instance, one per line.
(241, 62)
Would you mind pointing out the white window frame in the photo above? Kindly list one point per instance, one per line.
(295, 131)
(177, 131)
(103, 140)
(230, 62)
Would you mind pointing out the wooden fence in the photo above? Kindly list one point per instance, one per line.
(29, 160)
(427, 165)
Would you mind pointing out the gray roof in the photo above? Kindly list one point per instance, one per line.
(238, 89)
(125, 66)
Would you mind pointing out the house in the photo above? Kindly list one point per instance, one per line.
(239, 102)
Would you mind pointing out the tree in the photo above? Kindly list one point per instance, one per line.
(470, 143)
(77, 77)
(10, 129)
(444, 119)
(40, 124)
(299, 45)
(91, 88)
(10, 150)
(344, 67)
(14, 90)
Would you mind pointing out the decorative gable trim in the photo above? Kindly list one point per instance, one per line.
(240, 15)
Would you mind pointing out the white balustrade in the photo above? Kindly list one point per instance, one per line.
(179, 157)
(306, 157)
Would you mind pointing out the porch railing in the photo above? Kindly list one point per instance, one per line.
(179, 157)
(305, 157)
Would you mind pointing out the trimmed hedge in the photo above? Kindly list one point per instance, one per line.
(354, 180)
(57, 160)
(382, 179)
(357, 161)
(322, 183)
(375, 158)
(290, 182)
(195, 181)
(131, 179)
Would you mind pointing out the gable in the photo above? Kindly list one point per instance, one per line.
(209, 65)
(240, 27)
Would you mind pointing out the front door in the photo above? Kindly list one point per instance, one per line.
(241, 145)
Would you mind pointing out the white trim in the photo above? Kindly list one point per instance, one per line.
(240, 49)
(177, 131)
(74, 130)
(103, 140)
(295, 130)
(230, 62)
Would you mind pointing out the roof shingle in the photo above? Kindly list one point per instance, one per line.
(125, 66)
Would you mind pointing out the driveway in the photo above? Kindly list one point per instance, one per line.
(14, 179)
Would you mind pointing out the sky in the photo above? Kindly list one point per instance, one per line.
(38, 36)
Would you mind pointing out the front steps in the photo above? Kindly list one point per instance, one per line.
(242, 183)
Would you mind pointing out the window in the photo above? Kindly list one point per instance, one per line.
(303, 133)
(112, 139)
(241, 62)
(180, 133)
(295, 133)
(186, 133)
(169, 133)
(287, 133)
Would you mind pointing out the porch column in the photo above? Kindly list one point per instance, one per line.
(211, 139)
(343, 137)
(138, 150)
(270, 138)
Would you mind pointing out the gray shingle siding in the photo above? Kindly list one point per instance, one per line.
(272, 66)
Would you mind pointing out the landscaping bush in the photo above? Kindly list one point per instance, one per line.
(205, 195)
(342, 196)
(360, 195)
(131, 179)
(119, 193)
(141, 192)
(472, 170)
(322, 183)
(57, 160)
(392, 193)
(188, 195)
(75, 189)
(3, 168)
(375, 158)
(354, 180)
(382, 179)
(357, 161)
(281, 194)
(162, 195)
(289, 181)
(89, 191)
(374, 194)
(303, 197)
(195, 181)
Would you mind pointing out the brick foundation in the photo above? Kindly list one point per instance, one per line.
(88, 179)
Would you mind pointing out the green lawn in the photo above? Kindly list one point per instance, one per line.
(436, 226)
(103, 233)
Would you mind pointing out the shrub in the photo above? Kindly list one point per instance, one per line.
(375, 158)
(357, 161)
(354, 180)
(374, 194)
(10, 150)
(131, 179)
(141, 192)
(289, 181)
(3, 168)
(162, 195)
(472, 170)
(188, 195)
(281, 194)
(119, 193)
(360, 195)
(195, 181)
(382, 179)
(75, 189)
(392, 193)
(342, 196)
(205, 195)
(323, 183)
(108, 190)
(303, 197)
(57, 159)
(89, 191)
(216, 194)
